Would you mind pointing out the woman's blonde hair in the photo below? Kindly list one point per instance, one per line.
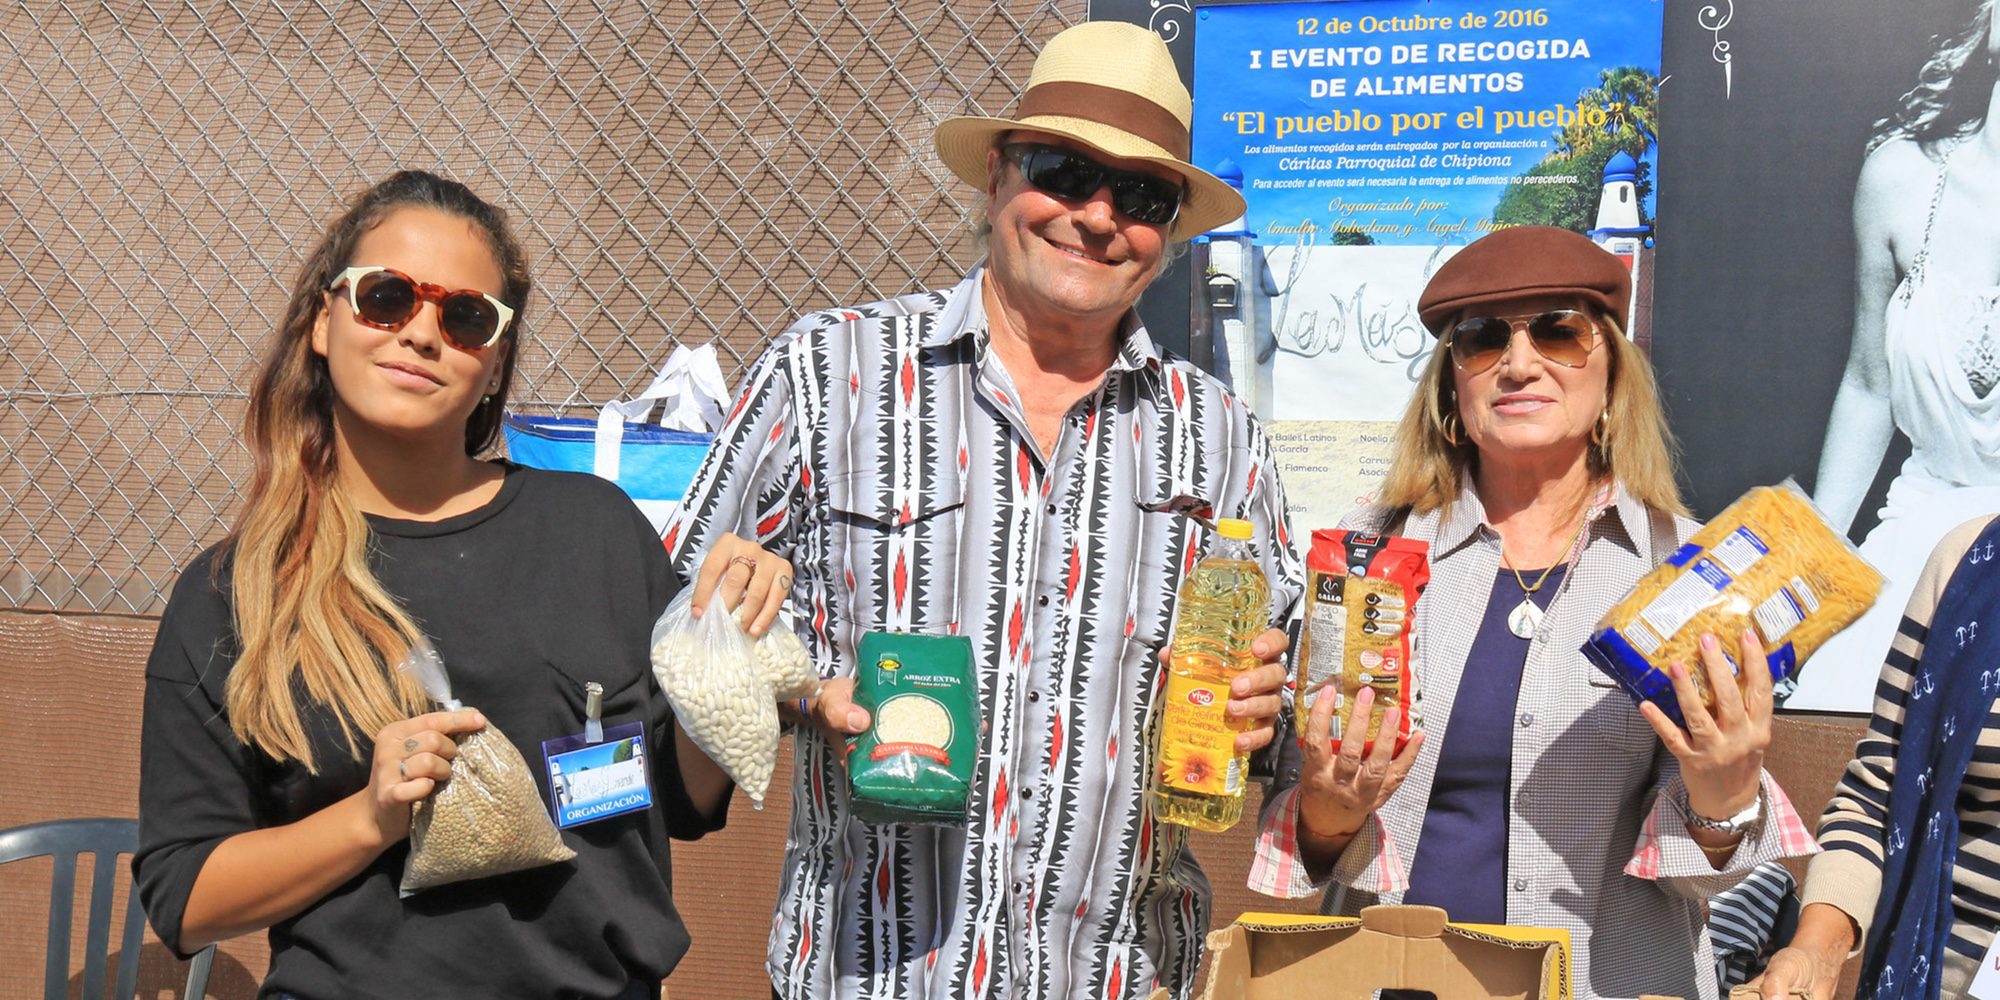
(1631, 445)
(311, 619)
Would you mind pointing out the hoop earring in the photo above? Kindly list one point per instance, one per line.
(1601, 433)
(1448, 425)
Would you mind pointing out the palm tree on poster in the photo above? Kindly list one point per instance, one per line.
(1629, 97)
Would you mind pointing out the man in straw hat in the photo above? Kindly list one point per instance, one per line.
(1014, 460)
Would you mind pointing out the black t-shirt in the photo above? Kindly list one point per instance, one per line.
(555, 583)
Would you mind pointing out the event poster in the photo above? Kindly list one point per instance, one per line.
(1373, 138)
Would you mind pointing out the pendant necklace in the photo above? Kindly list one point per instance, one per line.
(1526, 618)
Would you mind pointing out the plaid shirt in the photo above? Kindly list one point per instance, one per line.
(881, 449)
(1596, 843)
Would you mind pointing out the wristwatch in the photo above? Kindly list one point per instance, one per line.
(1741, 823)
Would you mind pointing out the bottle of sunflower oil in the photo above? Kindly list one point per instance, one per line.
(1224, 605)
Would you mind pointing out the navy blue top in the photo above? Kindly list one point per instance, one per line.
(1461, 862)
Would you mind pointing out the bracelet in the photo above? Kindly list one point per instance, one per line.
(1739, 824)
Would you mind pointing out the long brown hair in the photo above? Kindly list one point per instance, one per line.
(310, 616)
(1635, 447)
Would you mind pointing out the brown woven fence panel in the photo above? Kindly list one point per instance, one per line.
(73, 686)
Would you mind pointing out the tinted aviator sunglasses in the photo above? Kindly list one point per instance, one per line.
(1563, 336)
(1072, 176)
(386, 299)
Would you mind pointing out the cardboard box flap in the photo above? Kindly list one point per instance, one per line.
(1555, 960)
(1284, 956)
(1405, 921)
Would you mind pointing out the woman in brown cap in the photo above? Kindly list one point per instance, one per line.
(1535, 462)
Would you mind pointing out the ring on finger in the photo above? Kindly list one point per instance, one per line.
(744, 561)
(400, 772)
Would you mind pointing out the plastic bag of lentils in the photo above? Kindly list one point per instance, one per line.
(490, 818)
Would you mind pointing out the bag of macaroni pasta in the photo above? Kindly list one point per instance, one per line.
(1770, 561)
(1361, 606)
(490, 818)
(915, 762)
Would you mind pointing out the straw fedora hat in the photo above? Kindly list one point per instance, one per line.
(1111, 86)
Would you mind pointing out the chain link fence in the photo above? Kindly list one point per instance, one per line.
(681, 173)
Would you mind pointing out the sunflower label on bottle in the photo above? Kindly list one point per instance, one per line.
(1202, 755)
(1224, 604)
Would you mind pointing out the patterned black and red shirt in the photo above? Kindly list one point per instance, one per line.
(883, 451)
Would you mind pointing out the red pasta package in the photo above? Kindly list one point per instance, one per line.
(1361, 608)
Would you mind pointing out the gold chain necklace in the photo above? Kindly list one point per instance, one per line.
(1526, 618)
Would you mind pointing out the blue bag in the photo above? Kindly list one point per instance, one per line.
(652, 463)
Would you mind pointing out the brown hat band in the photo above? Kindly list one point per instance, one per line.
(1109, 106)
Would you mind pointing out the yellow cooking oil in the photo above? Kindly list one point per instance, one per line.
(1225, 603)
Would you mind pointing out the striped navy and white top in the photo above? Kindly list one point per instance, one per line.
(1750, 920)
(884, 451)
(1848, 874)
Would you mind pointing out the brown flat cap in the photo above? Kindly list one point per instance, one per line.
(1521, 261)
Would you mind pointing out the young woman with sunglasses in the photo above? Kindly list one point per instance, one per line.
(282, 750)
(1534, 460)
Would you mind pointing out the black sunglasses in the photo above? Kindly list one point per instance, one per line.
(1072, 176)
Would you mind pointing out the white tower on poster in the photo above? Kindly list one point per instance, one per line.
(1619, 231)
(1618, 204)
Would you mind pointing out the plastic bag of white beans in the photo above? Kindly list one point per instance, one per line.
(784, 661)
(711, 673)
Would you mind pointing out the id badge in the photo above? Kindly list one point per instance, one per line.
(590, 780)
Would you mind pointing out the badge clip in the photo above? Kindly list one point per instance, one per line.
(593, 711)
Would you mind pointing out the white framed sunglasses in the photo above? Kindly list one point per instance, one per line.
(386, 299)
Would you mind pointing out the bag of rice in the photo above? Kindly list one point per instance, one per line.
(915, 762)
(1769, 561)
(489, 819)
(1361, 608)
(718, 691)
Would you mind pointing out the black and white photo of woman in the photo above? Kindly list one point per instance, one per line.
(1925, 354)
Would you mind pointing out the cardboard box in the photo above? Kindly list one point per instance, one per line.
(1275, 956)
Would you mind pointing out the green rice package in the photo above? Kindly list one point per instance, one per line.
(915, 762)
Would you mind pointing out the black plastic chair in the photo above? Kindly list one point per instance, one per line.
(64, 840)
